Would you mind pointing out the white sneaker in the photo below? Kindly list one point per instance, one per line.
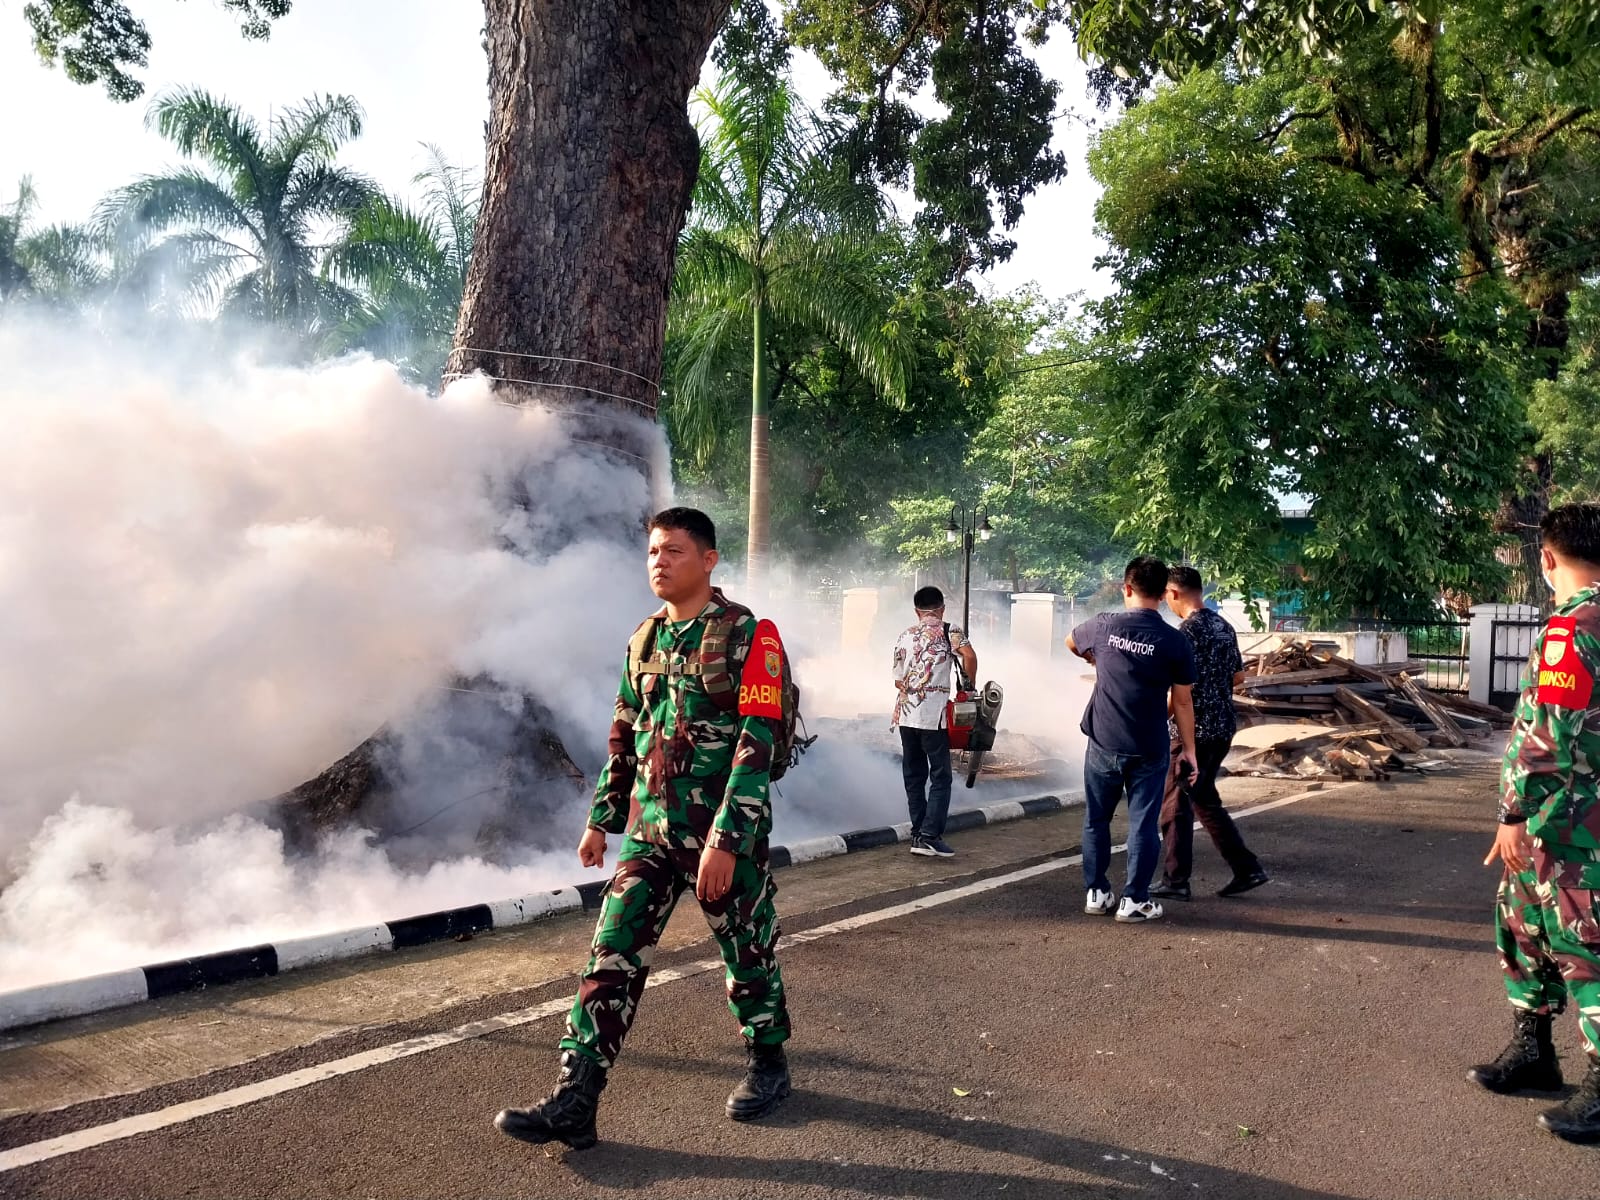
(1099, 903)
(1133, 913)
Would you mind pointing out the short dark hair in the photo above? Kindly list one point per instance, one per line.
(1148, 575)
(691, 521)
(928, 598)
(1573, 531)
(1186, 579)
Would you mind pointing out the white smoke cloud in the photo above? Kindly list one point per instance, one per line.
(216, 583)
(217, 578)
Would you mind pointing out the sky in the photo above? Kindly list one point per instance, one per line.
(417, 68)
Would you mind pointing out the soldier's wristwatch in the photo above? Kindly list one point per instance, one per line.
(1512, 818)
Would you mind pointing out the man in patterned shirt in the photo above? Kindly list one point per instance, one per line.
(923, 680)
(1218, 666)
(691, 746)
(1547, 919)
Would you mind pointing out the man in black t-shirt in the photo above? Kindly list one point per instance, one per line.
(1139, 660)
(1218, 667)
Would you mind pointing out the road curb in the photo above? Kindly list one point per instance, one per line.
(119, 989)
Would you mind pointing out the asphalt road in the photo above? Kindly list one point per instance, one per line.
(1308, 1040)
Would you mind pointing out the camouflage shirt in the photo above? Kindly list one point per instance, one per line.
(1549, 775)
(698, 770)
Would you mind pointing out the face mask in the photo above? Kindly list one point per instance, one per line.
(932, 619)
(1548, 582)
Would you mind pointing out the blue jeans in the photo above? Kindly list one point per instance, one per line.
(925, 766)
(1106, 777)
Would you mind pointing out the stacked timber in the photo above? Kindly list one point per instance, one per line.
(1306, 712)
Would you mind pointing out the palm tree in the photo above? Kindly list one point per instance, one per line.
(779, 233)
(238, 232)
(61, 266)
(410, 266)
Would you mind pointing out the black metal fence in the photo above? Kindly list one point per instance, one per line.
(1441, 646)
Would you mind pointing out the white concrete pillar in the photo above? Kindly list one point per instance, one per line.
(1486, 645)
(1038, 622)
(860, 614)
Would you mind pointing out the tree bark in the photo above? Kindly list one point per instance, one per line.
(591, 161)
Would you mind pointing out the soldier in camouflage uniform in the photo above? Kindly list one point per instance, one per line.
(1547, 925)
(691, 747)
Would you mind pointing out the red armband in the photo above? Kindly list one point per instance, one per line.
(1565, 680)
(761, 684)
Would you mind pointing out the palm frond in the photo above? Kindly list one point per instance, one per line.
(196, 266)
(204, 126)
(712, 263)
(312, 131)
(387, 242)
(703, 351)
(156, 203)
(64, 261)
(453, 195)
(327, 191)
(820, 291)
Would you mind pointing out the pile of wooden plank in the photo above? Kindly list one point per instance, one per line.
(1304, 711)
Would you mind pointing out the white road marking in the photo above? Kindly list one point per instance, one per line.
(190, 1110)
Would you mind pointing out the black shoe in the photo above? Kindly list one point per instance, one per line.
(765, 1083)
(921, 845)
(1170, 891)
(1578, 1120)
(1240, 884)
(567, 1113)
(1528, 1063)
(939, 847)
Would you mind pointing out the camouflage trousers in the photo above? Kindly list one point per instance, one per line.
(1549, 943)
(644, 890)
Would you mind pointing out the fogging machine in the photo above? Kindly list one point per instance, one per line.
(973, 716)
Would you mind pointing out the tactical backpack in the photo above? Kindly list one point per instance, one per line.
(718, 664)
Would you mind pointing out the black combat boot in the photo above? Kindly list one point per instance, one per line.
(1578, 1120)
(1528, 1063)
(765, 1083)
(567, 1113)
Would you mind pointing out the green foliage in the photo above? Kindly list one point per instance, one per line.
(1284, 325)
(752, 50)
(841, 448)
(61, 267)
(408, 268)
(97, 41)
(1139, 38)
(237, 233)
(974, 166)
(1044, 480)
(780, 249)
(1566, 409)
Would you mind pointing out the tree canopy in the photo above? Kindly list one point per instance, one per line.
(239, 231)
(101, 41)
(1284, 326)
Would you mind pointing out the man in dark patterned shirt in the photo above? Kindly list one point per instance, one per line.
(1218, 666)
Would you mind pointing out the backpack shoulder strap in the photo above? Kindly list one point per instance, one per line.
(721, 653)
(642, 658)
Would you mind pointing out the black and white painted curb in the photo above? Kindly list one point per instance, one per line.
(77, 997)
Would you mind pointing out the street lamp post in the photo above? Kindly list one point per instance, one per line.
(964, 528)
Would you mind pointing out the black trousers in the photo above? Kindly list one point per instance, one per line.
(1200, 799)
(925, 766)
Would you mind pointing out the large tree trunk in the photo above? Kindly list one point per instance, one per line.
(591, 162)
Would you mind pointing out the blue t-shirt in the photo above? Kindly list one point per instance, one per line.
(1137, 658)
